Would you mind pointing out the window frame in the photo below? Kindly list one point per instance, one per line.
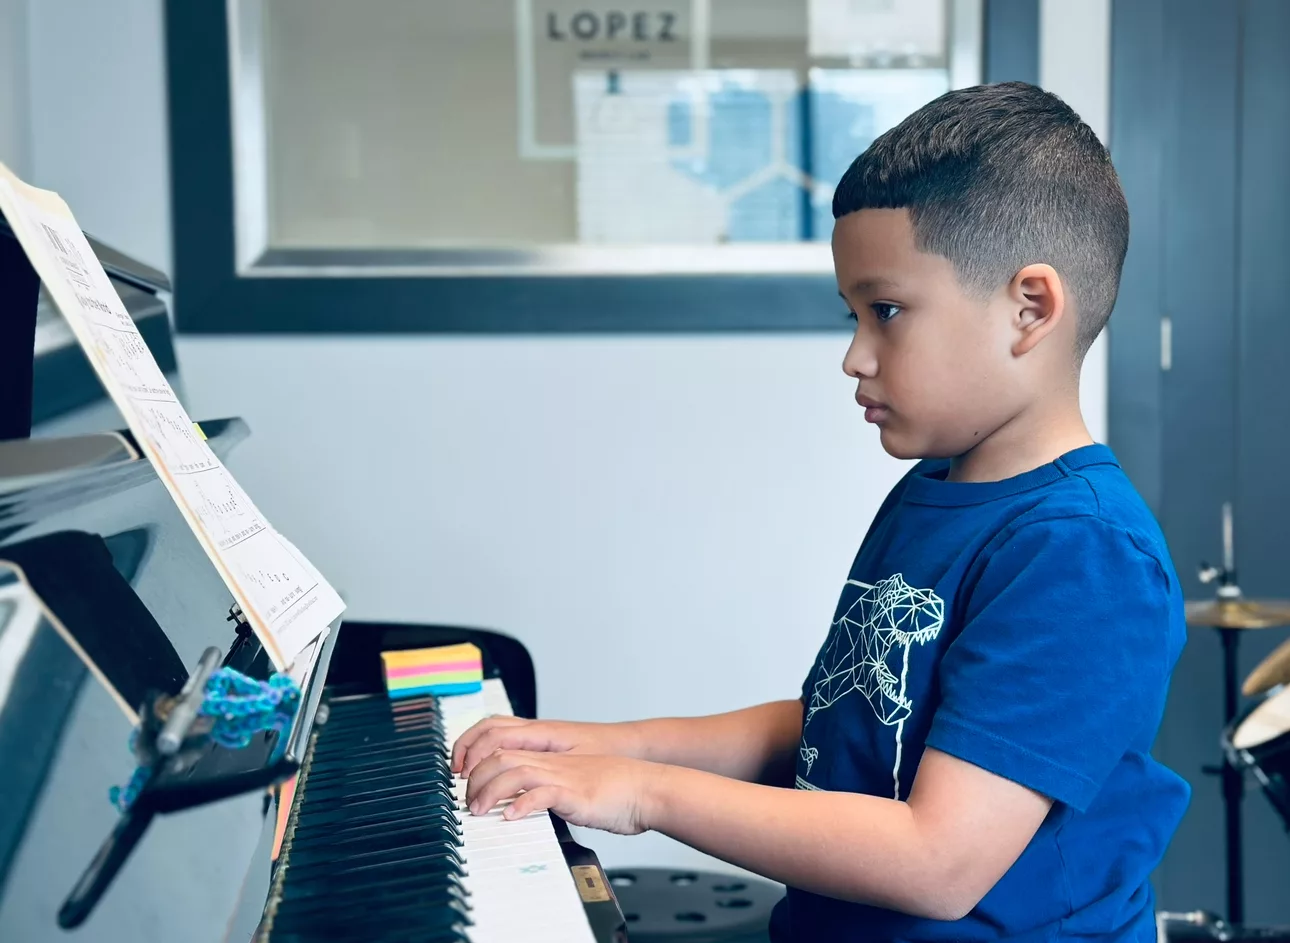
(228, 281)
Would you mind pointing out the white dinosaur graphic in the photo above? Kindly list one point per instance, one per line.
(880, 625)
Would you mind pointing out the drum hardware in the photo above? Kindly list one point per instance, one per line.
(1229, 594)
(1226, 575)
(1194, 924)
(1230, 614)
(1202, 925)
(1259, 741)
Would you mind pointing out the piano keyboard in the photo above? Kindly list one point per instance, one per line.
(379, 846)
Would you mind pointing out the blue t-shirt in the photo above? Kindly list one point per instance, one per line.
(1029, 627)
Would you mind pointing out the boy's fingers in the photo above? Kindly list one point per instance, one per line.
(493, 766)
(543, 797)
(507, 784)
(462, 746)
(531, 735)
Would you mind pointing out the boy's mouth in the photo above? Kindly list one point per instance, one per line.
(874, 411)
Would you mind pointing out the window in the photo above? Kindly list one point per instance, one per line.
(444, 138)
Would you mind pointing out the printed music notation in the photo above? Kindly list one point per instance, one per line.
(81, 276)
(133, 364)
(282, 587)
(225, 512)
(286, 600)
(171, 431)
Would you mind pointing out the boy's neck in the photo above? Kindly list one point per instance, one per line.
(1027, 441)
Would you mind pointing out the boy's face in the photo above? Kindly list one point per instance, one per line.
(934, 365)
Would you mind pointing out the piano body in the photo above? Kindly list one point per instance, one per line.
(106, 601)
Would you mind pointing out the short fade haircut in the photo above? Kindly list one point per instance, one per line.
(997, 177)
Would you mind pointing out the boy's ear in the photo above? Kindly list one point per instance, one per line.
(1039, 302)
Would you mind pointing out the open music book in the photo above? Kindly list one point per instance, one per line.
(285, 599)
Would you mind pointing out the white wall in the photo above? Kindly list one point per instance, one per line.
(1075, 63)
(15, 92)
(98, 118)
(664, 521)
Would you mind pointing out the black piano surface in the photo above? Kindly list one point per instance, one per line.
(65, 739)
(66, 397)
(87, 527)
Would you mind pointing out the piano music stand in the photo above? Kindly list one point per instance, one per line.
(19, 294)
(362, 642)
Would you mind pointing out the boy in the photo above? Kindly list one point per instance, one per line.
(970, 750)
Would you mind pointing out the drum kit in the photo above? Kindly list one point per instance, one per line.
(1255, 739)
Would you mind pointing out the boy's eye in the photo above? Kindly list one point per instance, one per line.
(852, 315)
(884, 312)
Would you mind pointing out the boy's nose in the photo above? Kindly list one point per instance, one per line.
(861, 359)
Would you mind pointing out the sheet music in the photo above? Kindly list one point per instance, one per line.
(285, 599)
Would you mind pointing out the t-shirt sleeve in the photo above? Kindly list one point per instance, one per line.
(1062, 658)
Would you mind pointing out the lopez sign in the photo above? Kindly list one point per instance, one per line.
(640, 26)
(558, 38)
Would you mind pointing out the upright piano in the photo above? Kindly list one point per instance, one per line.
(344, 825)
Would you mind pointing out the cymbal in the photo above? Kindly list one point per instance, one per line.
(1271, 671)
(1239, 613)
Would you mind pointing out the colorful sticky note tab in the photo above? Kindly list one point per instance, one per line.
(445, 669)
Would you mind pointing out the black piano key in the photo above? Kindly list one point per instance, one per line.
(433, 777)
(373, 813)
(391, 835)
(346, 726)
(380, 703)
(435, 917)
(374, 714)
(429, 774)
(401, 891)
(427, 762)
(363, 750)
(373, 851)
(374, 784)
(403, 900)
(351, 838)
(373, 931)
(355, 833)
(430, 768)
(431, 870)
(413, 794)
(431, 911)
(446, 934)
(436, 851)
(350, 721)
(420, 879)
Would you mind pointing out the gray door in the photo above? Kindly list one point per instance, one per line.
(1200, 405)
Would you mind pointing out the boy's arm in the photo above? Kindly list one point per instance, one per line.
(934, 856)
(1060, 667)
(757, 744)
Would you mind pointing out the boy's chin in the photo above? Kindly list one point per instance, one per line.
(900, 446)
(915, 445)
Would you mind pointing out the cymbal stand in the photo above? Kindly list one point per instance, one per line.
(1232, 779)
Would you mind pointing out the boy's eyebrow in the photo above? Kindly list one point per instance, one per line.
(867, 285)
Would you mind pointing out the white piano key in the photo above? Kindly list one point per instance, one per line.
(520, 886)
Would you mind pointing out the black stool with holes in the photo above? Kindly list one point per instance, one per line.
(663, 905)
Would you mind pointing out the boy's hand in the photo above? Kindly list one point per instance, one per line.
(550, 736)
(606, 792)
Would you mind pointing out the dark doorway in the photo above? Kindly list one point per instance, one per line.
(1200, 366)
